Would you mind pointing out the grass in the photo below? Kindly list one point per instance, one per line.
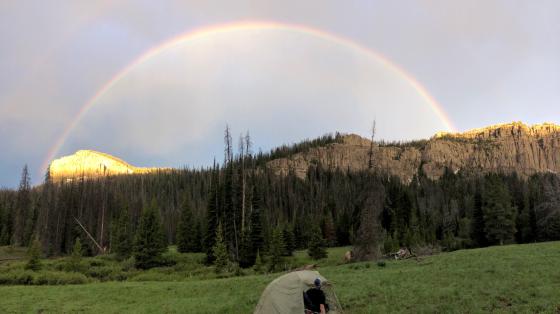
(515, 278)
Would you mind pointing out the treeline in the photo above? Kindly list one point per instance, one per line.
(286, 150)
(253, 212)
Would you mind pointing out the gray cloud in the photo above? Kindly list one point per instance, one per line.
(485, 61)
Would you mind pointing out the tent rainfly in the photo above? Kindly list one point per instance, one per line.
(284, 295)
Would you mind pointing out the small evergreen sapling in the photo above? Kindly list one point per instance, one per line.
(75, 260)
(220, 251)
(258, 267)
(316, 248)
(34, 256)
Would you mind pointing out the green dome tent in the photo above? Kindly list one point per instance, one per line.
(284, 295)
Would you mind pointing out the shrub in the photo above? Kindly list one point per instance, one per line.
(95, 262)
(381, 264)
(16, 277)
(128, 264)
(106, 273)
(60, 278)
(24, 277)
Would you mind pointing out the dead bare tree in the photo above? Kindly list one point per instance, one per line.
(101, 249)
(371, 157)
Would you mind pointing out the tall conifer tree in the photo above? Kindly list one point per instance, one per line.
(150, 240)
(369, 238)
(121, 240)
(187, 230)
(277, 248)
(499, 215)
(23, 204)
(212, 216)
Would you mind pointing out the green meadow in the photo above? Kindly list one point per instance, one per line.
(514, 278)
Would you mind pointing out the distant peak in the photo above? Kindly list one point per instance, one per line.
(88, 163)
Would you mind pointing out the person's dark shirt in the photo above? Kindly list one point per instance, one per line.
(316, 297)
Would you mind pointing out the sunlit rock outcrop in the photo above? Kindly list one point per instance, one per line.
(507, 148)
(91, 164)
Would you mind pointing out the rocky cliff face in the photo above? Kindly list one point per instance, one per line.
(91, 164)
(499, 148)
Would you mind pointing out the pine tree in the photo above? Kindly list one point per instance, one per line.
(258, 263)
(187, 231)
(316, 248)
(34, 256)
(253, 239)
(23, 204)
(230, 215)
(369, 237)
(246, 252)
(29, 226)
(220, 251)
(212, 217)
(329, 231)
(256, 232)
(197, 238)
(121, 240)
(499, 215)
(276, 249)
(75, 259)
(150, 240)
(478, 228)
(343, 229)
(289, 240)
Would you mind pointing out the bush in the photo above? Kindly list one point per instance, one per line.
(60, 278)
(128, 264)
(106, 273)
(72, 265)
(22, 277)
(381, 264)
(16, 277)
(96, 262)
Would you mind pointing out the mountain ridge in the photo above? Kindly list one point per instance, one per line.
(507, 147)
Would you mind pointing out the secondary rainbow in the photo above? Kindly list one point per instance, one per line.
(236, 27)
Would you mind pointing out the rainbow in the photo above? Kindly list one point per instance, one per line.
(236, 27)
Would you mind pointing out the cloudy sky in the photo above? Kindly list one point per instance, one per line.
(325, 66)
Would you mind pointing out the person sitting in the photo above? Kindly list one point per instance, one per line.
(314, 299)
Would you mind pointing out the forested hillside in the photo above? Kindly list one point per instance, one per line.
(259, 211)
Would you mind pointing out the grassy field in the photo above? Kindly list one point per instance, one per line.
(516, 278)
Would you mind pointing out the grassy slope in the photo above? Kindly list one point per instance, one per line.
(517, 278)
